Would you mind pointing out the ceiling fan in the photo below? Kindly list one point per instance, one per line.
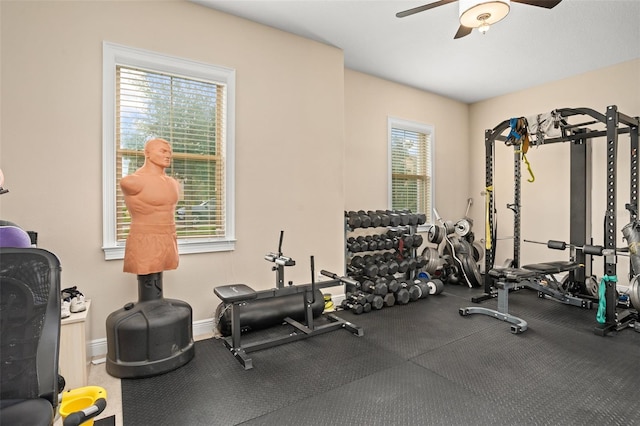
(480, 14)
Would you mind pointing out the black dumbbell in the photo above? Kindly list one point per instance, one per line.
(393, 267)
(408, 241)
(425, 290)
(386, 220)
(378, 287)
(403, 265)
(359, 267)
(412, 263)
(383, 268)
(356, 298)
(353, 219)
(389, 300)
(394, 219)
(414, 292)
(361, 297)
(365, 219)
(402, 296)
(376, 220)
(371, 243)
(377, 302)
(353, 245)
(392, 283)
(356, 308)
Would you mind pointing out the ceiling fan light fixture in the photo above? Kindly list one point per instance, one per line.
(479, 13)
(484, 28)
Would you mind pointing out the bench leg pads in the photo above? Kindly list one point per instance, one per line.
(518, 325)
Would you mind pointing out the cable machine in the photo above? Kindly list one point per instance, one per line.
(579, 135)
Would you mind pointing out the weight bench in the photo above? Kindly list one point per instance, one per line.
(529, 276)
(550, 285)
(507, 279)
(237, 295)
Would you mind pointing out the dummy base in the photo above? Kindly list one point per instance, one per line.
(149, 338)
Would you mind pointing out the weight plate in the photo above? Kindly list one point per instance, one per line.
(435, 234)
(449, 227)
(471, 272)
(463, 227)
(436, 286)
(591, 285)
(478, 251)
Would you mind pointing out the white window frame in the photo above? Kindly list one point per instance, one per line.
(413, 126)
(115, 54)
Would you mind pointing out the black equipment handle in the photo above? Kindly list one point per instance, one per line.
(313, 281)
(556, 245)
(345, 280)
(280, 243)
(79, 417)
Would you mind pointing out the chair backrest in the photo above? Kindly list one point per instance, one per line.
(29, 324)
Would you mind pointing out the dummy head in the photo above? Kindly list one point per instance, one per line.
(158, 152)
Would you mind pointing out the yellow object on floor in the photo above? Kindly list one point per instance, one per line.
(82, 399)
(328, 303)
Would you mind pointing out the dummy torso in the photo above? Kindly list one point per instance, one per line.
(151, 197)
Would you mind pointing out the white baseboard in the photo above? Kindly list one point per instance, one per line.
(98, 348)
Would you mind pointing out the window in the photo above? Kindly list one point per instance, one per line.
(191, 105)
(410, 166)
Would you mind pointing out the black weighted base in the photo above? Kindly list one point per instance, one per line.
(151, 337)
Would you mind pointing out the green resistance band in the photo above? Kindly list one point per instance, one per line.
(601, 317)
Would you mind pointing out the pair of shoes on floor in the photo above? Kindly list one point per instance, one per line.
(74, 300)
(65, 309)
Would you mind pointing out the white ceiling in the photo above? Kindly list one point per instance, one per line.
(531, 46)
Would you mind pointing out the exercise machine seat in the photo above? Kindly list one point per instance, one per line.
(555, 267)
(511, 274)
(234, 293)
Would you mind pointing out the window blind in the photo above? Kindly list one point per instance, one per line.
(410, 171)
(190, 115)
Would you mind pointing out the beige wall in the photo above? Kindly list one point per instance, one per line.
(289, 141)
(369, 101)
(545, 202)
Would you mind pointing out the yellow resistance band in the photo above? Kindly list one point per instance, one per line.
(487, 237)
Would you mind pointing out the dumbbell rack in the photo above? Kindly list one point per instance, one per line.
(379, 239)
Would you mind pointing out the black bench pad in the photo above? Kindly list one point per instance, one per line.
(235, 293)
(552, 267)
(511, 274)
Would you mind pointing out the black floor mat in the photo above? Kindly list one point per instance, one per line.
(421, 363)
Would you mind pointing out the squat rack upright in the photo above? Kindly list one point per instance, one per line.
(579, 135)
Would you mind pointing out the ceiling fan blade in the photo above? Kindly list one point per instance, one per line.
(423, 8)
(547, 4)
(463, 31)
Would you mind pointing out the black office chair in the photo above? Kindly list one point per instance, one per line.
(29, 343)
(30, 339)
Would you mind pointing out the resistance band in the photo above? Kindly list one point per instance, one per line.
(487, 237)
(601, 317)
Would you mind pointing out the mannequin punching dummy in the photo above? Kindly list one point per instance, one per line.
(151, 197)
(154, 335)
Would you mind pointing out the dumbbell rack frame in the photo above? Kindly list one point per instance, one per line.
(580, 137)
(348, 231)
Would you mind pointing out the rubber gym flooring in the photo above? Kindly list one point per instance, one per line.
(417, 364)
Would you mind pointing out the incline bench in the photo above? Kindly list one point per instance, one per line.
(540, 277)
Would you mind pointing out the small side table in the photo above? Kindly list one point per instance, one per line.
(74, 361)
